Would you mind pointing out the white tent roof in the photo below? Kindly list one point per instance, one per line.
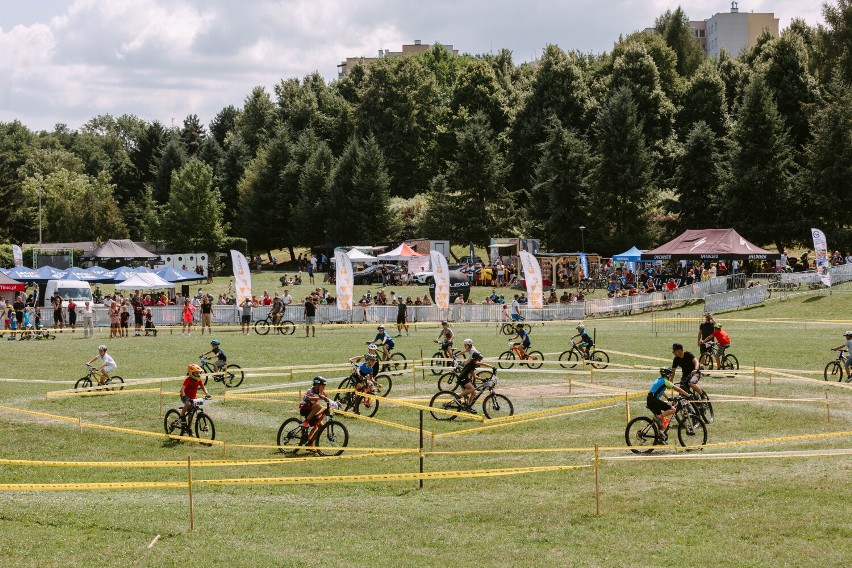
(402, 252)
(144, 281)
(356, 255)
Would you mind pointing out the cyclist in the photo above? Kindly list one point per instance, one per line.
(363, 375)
(524, 338)
(385, 340)
(688, 364)
(723, 341)
(469, 348)
(277, 309)
(467, 376)
(190, 387)
(216, 350)
(309, 407)
(848, 347)
(107, 364)
(661, 409)
(445, 340)
(586, 342)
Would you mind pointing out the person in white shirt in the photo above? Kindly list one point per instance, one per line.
(286, 299)
(88, 313)
(107, 364)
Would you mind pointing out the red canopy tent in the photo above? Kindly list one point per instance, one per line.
(402, 252)
(9, 285)
(709, 244)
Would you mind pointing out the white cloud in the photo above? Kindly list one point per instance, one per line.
(160, 59)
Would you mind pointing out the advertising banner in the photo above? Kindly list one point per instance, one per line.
(242, 276)
(344, 281)
(17, 255)
(532, 277)
(821, 253)
(441, 274)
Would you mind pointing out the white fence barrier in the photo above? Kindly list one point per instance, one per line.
(736, 298)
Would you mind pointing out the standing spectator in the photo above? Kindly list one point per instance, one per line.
(323, 261)
(402, 317)
(516, 308)
(138, 316)
(88, 313)
(188, 311)
(286, 300)
(206, 315)
(735, 266)
(72, 315)
(311, 270)
(246, 317)
(310, 317)
(314, 262)
(56, 302)
(114, 320)
(501, 273)
(124, 331)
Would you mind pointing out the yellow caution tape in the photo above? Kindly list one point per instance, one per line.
(515, 423)
(558, 409)
(424, 407)
(762, 455)
(382, 422)
(59, 394)
(93, 486)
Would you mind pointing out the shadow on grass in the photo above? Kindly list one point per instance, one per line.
(813, 299)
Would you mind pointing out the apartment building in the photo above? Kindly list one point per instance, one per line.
(409, 49)
(733, 31)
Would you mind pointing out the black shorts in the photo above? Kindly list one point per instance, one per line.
(137, 319)
(72, 317)
(246, 320)
(57, 315)
(463, 381)
(656, 405)
(400, 319)
(305, 411)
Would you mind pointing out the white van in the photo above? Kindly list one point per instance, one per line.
(77, 289)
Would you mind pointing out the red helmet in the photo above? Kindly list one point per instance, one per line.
(194, 370)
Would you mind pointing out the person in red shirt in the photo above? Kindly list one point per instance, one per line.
(670, 284)
(723, 341)
(189, 390)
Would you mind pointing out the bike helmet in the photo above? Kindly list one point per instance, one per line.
(372, 347)
(581, 327)
(215, 342)
(717, 326)
(381, 328)
(102, 348)
(444, 323)
(476, 356)
(194, 370)
(848, 333)
(370, 357)
(468, 341)
(666, 371)
(519, 325)
(319, 381)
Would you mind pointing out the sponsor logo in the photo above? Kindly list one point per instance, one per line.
(757, 256)
(662, 257)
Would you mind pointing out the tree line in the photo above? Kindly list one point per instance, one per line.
(635, 144)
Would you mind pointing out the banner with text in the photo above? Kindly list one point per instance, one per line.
(17, 255)
(532, 277)
(441, 273)
(821, 252)
(344, 280)
(242, 276)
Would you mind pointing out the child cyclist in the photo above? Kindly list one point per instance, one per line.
(467, 376)
(524, 338)
(309, 407)
(847, 346)
(662, 410)
(586, 342)
(723, 341)
(107, 365)
(221, 358)
(189, 390)
(363, 374)
(385, 340)
(445, 340)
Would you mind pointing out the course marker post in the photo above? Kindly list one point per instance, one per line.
(627, 405)
(597, 484)
(161, 399)
(570, 384)
(189, 486)
(421, 448)
(754, 379)
(827, 412)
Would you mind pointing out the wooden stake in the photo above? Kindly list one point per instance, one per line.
(754, 379)
(161, 399)
(597, 484)
(827, 411)
(570, 385)
(189, 486)
(627, 406)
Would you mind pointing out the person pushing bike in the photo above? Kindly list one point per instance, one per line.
(445, 340)
(661, 409)
(189, 390)
(689, 366)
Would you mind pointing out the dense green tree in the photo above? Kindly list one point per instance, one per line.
(621, 183)
(224, 123)
(704, 100)
(443, 65)
(173, 158)
(235, 160)
(399, 106)
(664, 57)
(311, 213)
(192, 219)
(756, 195)
(192, 135)
(835, 39)
(477, 90)
(697, 180)
(314, 105)
(736, 75)
(674, 28)
(257, 123)
(16, 143)
(560, 194)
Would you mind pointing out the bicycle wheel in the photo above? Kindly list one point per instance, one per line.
(507, 360)
(171, 422)
(287, 327)
(640, 433)
(233, 375)
(204, 428)
(534, 359)
(290, 436)
(730, 363)
(83, 383)
(497, 405)
(347, 383)
(705, 408)
(448, 382)
(365, 406)
(332, 436)
(508, 329)
(832, 371)
(569, 359)
(433, 363)
(446, 400)
(483, 376)
(599, 359)
(706, 361)
(115, 380)
(261, 327)
(691, 431)
(396, 362)
(527, 328)
(384, 384)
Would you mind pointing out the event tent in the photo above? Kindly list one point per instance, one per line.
(10, 285)
(23, 273)
(709, 244)
(144, 281)
(632, 255)
(402, 252)
(172, 274)
(121, 248)
(356, 255)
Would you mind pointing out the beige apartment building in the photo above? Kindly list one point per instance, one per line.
(733, 31)
(408, 49)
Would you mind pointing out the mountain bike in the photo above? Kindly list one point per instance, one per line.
(449, 381)
(93, 377)
(532, 359)
(395, 361)
(204, 428)
(352, 400)
(325, 431)
(569, 359)
(440, 361)
(643, 432)
(836, 370)
(728, 361)
(493, 405)
(231, 375)
(702, 403)
(284, 327)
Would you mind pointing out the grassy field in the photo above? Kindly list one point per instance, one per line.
(782, 511)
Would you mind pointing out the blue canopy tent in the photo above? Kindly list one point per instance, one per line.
(23, 274)
(631, 257)
(120, 274)
(172, 274)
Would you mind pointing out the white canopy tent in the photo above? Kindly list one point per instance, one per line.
(356, 256)
(144, 281)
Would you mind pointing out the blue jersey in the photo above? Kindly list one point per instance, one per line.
(365, 369)
(586, 338)
(659, 386)
(524, 337)
(383, 338)
(219, 354)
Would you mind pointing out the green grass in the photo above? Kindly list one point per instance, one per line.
(790, 511)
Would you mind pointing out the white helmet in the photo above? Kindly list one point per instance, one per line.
(372, 346)
(102, 348)
(468, 341)
(848, 333)
(581, 326)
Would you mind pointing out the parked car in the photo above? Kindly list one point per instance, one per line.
(373, 273)
(421, 277)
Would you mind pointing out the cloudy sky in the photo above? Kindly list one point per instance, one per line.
(67, 61)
